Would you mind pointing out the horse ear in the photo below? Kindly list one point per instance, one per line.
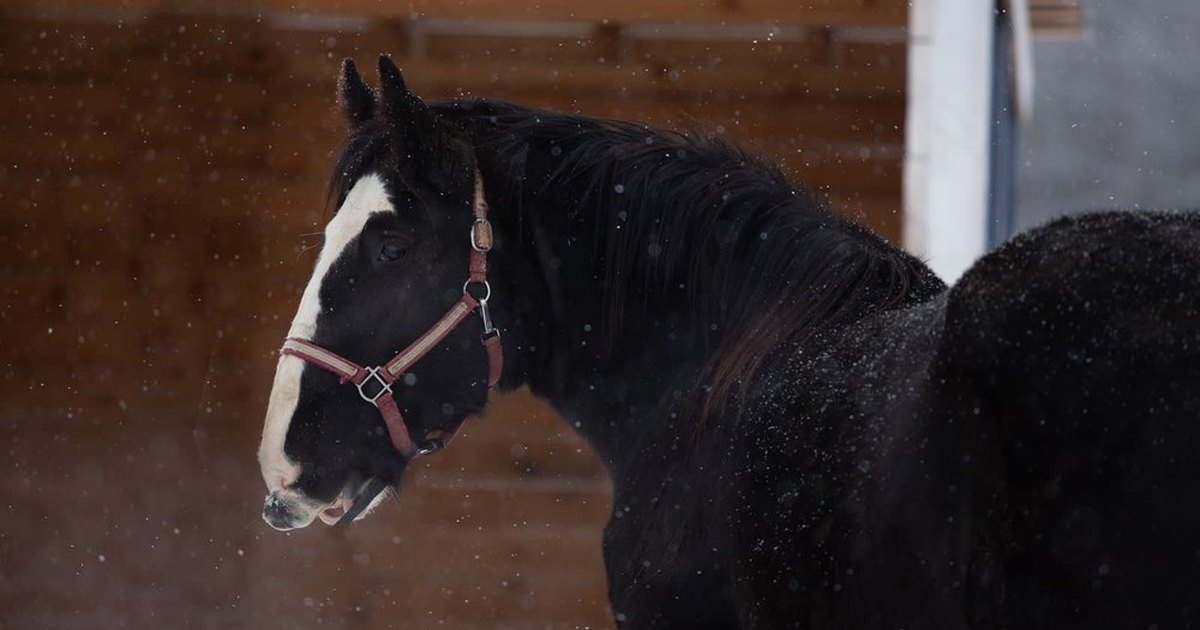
(400, 105)
(431, 155)
(358, 100)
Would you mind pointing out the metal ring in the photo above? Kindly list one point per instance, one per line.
(487, 294)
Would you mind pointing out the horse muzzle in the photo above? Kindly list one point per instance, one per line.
(284, 512)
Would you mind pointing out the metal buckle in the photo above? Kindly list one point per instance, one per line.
(384, 386)
(481, 235)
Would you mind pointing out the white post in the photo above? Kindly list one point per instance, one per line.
(948, 132)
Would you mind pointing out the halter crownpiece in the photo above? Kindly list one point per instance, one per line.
(374, 384)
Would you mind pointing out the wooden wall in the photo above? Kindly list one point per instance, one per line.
(1057, 18)
(162, 174)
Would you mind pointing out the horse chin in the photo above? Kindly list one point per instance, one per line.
(332, 514)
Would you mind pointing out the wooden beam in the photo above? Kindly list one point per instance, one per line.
(781, 12)
(501, 78)
(1056, 18)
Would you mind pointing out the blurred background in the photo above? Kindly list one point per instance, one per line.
(1114, 120)
(163, 167)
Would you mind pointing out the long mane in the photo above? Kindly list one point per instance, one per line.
(760, 259)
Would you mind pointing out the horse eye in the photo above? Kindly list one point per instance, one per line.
(391, 252)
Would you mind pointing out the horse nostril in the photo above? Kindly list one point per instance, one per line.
(277, 513)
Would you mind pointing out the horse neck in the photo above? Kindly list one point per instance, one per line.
(625, 332)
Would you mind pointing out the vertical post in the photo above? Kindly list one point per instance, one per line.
(948, 132)
(1002, 189)
(1012, 107)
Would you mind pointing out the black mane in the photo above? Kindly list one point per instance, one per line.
(760, 261)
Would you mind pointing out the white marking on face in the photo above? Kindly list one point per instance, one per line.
(366, 198)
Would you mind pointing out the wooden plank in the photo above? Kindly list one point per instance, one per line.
(524, 596)
(506, 502)
(232, 150)
(851, 178)
(90, 315)
(95, 246)
(31, 303)
(443, 78)
(317, 52)
(483, 48)
(778, 126)
(816, 12)
(53, 106)
(76, 51)
(881, 56)
(386, 573)
(492, 551)
(775, 123)
(183, 121)
(1075, 5)
(166, 266)
(527, 458)
(28, 197)
(24, 249)
(1057, 23)
(84, 152)
(210, 45)
(231, 100)
(231, 244)
(1056, 18)
(164, 179)
(811, 12)
(710, 53)
(31, 207)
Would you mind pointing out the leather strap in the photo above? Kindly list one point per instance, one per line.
(374, 384)
(417, 350)
(396, 427)
(482, 238)
(495, 357)
(350, 372)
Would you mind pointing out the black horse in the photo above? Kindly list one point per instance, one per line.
(803, 426)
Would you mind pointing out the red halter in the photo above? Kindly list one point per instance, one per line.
(382, 377)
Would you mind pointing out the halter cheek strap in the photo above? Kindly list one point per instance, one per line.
(374, 384)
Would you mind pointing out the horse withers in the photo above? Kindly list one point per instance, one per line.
(803, 426)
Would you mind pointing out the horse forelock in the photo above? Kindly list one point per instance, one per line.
(368, 196)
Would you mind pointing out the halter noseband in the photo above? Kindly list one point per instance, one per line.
(374, 384)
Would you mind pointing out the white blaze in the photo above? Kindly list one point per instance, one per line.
(367, 197)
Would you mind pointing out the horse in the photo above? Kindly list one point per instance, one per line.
(804, 426)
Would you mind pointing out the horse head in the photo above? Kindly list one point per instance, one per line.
(347, 412)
